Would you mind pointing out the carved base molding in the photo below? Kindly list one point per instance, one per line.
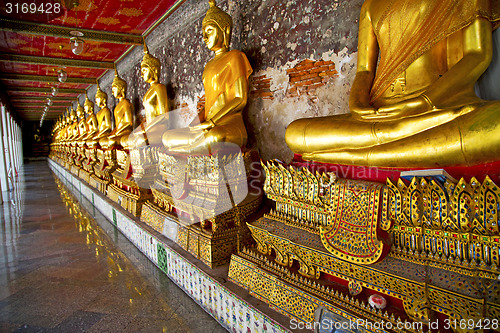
(131, 199)
(212, 248)
(298, 297)
(75, 170)
(100, 184)
(85, 175)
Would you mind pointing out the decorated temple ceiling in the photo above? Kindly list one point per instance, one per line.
(35, 44)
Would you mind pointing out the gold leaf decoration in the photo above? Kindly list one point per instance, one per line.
(108, 20)
(72, 21)
(57, 54)
(100, 50)
(85, 6)
(130, 12)
(18, 41)
(29, 49)
(54, 45)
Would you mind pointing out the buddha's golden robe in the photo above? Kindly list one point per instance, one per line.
(451, 133)
(409, 28)
(220, 74)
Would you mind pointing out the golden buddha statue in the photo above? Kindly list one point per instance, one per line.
(62, 131)
(69, 119)
(225, 80)
(91, 121)
(72, 130)
(123, 113)
(82, 125)
(59, 129)
(103, 117)
(155, 103)
(415, 106)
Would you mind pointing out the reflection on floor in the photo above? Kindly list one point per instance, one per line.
(63, 270)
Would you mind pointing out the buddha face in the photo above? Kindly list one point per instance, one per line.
(117, 92)
(213, 37)
(147, 74)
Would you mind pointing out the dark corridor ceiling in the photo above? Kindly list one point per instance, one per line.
(34, 46)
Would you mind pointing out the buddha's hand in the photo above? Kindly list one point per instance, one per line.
(363, 112)
(204, 126)
(408, 108)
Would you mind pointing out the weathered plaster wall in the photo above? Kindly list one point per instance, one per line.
(303, 53)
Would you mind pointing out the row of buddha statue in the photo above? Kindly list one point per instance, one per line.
(225, 79)
(416, 107)
(117, 158)
(84, 127)
(412, 105)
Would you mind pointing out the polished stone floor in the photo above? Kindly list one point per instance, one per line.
(63, 269)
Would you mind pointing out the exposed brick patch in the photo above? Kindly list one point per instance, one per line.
(309, 75)
(261, 87)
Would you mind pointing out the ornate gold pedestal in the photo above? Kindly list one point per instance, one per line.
(124, 189)
(88, 164)
(103, 168)
(443, 262)
(201, 203)
(78, 158)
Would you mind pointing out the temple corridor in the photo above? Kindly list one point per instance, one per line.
(64, 269)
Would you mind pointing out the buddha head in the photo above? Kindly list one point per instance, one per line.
(72, 115)
(88, 105)
(101, 98)
(79, 110)
(119, 86)
(217, 26)
(150, 66)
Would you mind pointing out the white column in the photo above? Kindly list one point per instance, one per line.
(21, 152)
(3, 164)
(12, 142)
(16, 143)
(11, 147)
(5, 137)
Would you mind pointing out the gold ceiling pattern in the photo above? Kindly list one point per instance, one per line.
(34, 47)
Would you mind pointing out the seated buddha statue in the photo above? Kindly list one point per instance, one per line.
(91, 122)
(103, 118)
(72, 130)
(82, 125)
(123, 113)
(70, 116)
(62, 132)
(225, 80)
(155, 103)
(412, 101)
(61, 124)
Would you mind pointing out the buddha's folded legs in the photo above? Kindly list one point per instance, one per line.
(343, 132)
(186, 140)
(471, 139)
